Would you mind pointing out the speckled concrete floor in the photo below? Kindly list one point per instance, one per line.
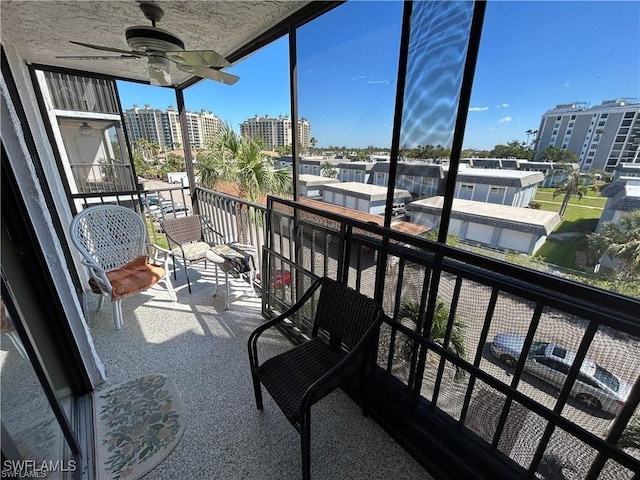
(203, 349)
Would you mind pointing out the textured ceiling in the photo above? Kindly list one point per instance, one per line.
(41, 30)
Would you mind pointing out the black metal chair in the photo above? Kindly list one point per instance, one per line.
(345, 323)
(186, 237)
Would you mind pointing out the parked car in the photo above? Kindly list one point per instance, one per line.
(594, 387)
(153, 210)
(150, 199)
(171, 211)
(398, 209)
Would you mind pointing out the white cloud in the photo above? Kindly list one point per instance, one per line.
(357, 79)
(505, 120)
(379, 82)
(502, 105)
(478, 109)
(566, 84)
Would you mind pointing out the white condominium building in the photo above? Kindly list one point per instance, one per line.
(163, 126)
(276, 131)
(602, 137)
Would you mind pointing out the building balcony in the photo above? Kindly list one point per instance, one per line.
(456, 390)
(203, 348)
(471, 412)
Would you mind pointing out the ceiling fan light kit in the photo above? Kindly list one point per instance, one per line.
(162, 49)
(85, 129)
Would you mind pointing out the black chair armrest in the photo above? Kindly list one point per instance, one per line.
(252, 343)
(206, 223)
(171, 239)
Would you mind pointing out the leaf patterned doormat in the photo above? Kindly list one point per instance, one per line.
(137, 424)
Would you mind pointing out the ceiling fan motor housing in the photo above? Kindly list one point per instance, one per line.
(152, 39)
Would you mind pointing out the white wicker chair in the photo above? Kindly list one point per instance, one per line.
(113, 242)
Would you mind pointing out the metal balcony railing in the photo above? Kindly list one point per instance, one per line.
(438, 387)
(102, 177)
(236, 219)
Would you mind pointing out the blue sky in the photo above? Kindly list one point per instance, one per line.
(533, 55)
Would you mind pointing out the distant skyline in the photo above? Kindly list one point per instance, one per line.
(533, 56)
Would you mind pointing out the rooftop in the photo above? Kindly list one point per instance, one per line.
(527, 219)
(400, 225)
(365, 190)
(512, 178)
(310, 180)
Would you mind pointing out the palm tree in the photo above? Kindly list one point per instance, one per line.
(144, 147)
(574, 184)
(256, 174)
(233, 157)
(620, 239)
(410, 310)
(216, 161)
(328, 170)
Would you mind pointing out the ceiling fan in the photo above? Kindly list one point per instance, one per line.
(162, 48)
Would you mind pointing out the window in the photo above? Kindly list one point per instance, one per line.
(607, 378)
(538, 348)
(466, 187)
(588, 380)
(498, 190)
(553, 364)
(560, 352)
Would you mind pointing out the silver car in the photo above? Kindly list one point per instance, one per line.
(594, 387)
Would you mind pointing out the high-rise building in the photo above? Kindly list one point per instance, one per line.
(602, 136)
(163, 126)
(276, 131)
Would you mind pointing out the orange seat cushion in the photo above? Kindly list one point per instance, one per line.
(132, 277)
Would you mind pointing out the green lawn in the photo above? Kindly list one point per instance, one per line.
(581, 215)
(155, 237)
(591, 199)
(561, 252)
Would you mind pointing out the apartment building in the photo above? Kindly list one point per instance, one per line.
(554, 173)
(308, 165)
(602, 136)
(420, 178)
(514, 188)
(163, 126)
(355, 171)
(276, 131)
(361, 196)
(502, 227)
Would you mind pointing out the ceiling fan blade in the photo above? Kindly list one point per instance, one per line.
(159, 75)
(198, 58)
(105, 49)
(98, 57)
(206, 72)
